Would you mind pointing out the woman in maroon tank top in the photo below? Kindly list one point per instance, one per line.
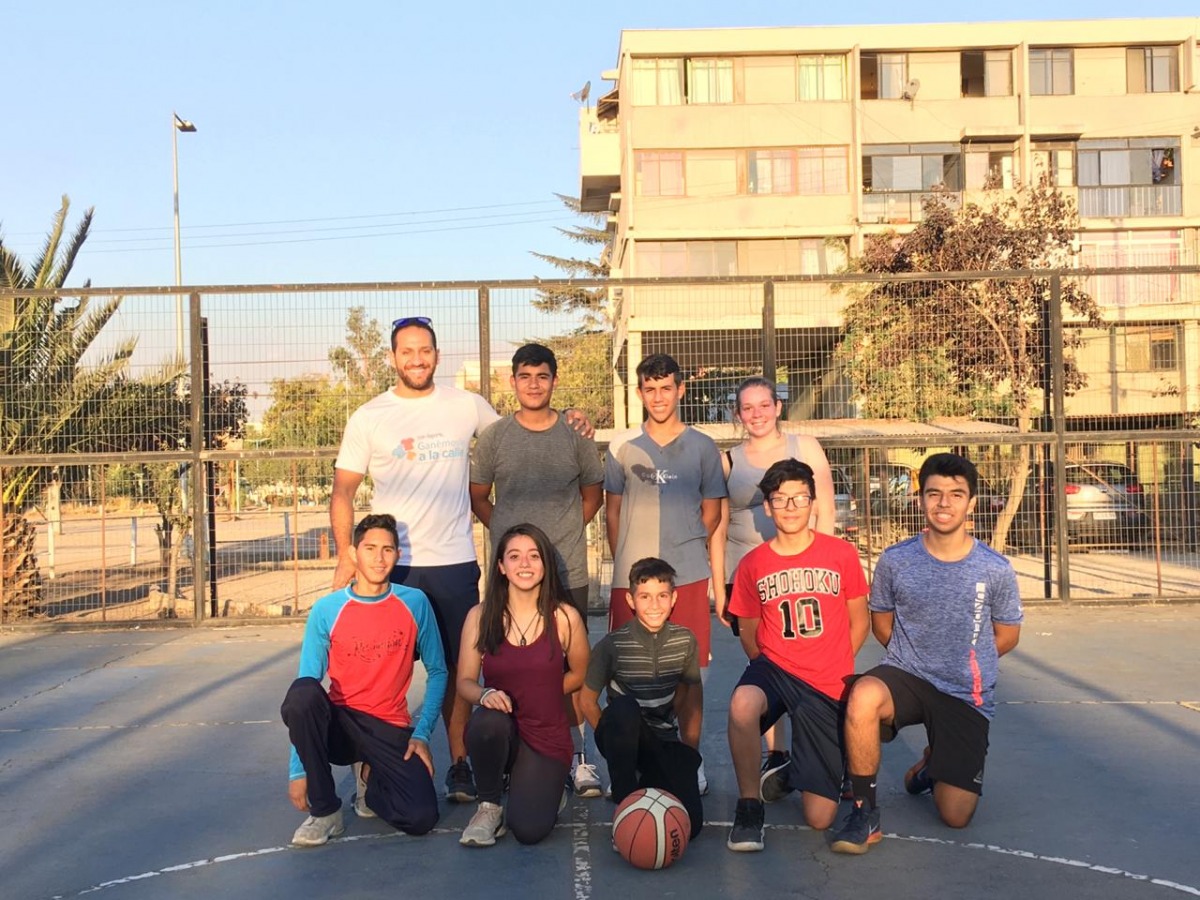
(531, 648)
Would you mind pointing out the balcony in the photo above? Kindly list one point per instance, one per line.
(1131, 201)
(902, 207)
(599, 161)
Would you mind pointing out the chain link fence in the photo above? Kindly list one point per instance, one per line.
(195, 486)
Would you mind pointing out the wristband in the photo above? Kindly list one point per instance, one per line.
(483, 696)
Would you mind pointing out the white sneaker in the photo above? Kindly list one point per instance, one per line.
(485, 826)
(585, 780)
(701, 781)
(316, 830)
(360, 797)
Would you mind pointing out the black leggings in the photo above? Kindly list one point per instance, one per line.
(400, 791)
(536, 782)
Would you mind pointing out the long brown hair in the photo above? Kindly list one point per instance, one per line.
(494, 618)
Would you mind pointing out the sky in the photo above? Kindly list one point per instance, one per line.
(350, 142)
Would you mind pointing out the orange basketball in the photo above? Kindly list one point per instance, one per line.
(651, 828)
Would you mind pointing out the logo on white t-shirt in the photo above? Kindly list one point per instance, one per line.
(429, 448)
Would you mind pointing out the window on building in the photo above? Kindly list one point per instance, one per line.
(1133, 161)
(1129, 249)
(1057, 160)
(657, 82)
(1151, 349)
(989, 166)
(1051, 71)
(710, 81)
(883, 76)
(771, 171)
(677, 259)
(769, 79)
(822, 170)
(792, 256)
(1152, 70)
(986, 73)
(711, 173)
(822, 77)
(658, 173)
(912, 167)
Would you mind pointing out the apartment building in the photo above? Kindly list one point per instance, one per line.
(759, 152)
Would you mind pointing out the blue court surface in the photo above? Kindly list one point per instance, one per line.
(152, 763)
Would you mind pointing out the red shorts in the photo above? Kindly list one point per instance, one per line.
(691, 611)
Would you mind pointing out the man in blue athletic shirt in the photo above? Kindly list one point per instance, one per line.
(364, 637)
(946, 607)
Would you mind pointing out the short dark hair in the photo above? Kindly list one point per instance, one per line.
(385, 521)
(658, 365)
(787, 470)
(412, 323)
(651, 569)
(535, 355)
(949, 465)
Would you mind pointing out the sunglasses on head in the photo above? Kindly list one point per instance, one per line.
(424, 321)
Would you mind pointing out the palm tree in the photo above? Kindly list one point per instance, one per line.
(51, 403)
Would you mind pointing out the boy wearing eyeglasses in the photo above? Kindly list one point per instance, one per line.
(801, 600)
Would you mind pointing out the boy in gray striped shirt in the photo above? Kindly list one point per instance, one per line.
(649, 732)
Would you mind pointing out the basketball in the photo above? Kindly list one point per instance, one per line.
(651, 829)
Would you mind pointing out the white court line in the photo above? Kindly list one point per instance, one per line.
(582, 879)
(1187, 704)
(581, 854)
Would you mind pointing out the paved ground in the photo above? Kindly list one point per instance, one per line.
(147, 764)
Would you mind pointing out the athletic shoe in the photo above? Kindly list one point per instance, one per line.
(460, 784)
(316, 830)
(485, 826)
(585, 781)
(360, 796)
(701, 780)
(746, 835)
(860, 831)
(773, 783)
(847, 788)
(916, 779)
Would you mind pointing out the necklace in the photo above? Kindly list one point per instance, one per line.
(521, 631)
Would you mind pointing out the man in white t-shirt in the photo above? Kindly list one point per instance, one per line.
(415, 440)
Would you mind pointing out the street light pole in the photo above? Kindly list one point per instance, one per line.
(178, 125)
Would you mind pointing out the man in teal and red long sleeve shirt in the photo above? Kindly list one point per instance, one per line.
(365, 638)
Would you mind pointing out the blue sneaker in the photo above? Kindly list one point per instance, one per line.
(859, 833)
(916, 779)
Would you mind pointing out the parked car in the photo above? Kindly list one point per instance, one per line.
(1105, 507)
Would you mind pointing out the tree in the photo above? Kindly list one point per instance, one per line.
(584, 382)
(589, 301)
(363, 363)
(52, 402)
(924, 348)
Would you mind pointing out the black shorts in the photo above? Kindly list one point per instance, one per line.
(452, 592)
(817, 763)
(958, 734)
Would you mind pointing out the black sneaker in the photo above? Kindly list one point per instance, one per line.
(773, 783)
(460, 784)
(746, 835)
(916, 779)
(860, 831)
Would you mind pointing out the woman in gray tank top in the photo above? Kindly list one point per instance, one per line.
(744, 522)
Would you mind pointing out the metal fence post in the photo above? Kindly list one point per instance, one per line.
(199, 496)
(485, 344)
(1058, 415)
(769, 345)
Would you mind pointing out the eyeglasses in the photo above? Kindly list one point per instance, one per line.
(423, 321)
(798, 501)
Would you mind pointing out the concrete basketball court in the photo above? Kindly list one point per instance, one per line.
(152, 763)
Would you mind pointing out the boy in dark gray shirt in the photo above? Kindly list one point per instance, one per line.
(546, 474)
(946, 607)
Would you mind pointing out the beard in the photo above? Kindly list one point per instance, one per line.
(413, 385)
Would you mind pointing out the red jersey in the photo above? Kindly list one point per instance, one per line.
(800, 602)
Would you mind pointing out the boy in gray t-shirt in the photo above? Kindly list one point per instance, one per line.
(546, 474)
(946, 607)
